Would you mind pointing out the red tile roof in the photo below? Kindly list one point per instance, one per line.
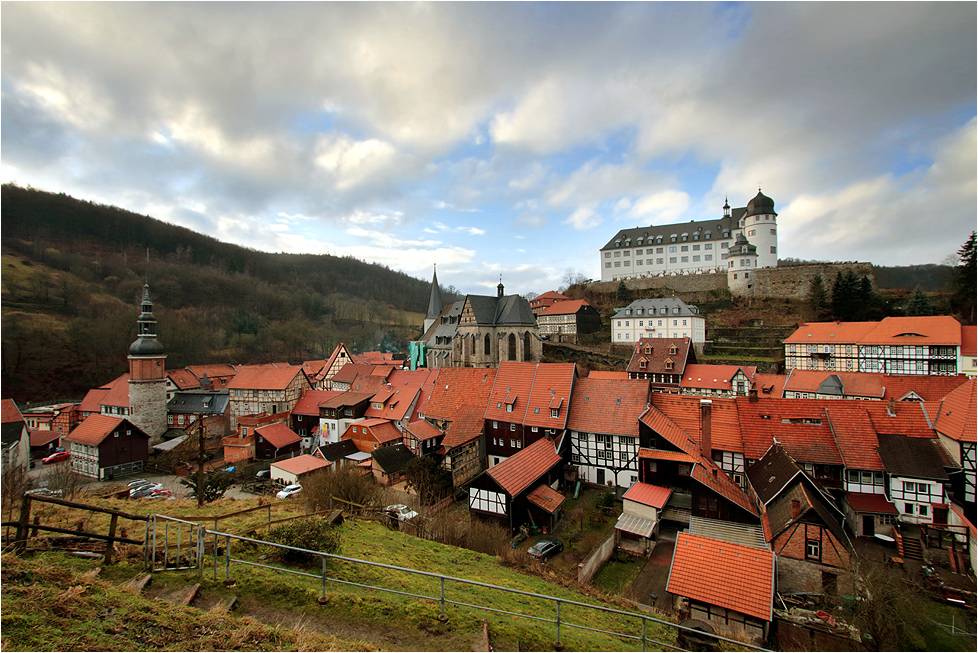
(348, 373)
(685, 412)
(118, 394)
(547, 298)
(969, 340)
(96, 428)
(929, 387)
(731, 576)
(668, 429)
(662, 454)
(551, 381)
(601, 374)
(308, 404)
(513, 381)
(713, 377)
(830, 332)
(547, 498)
(423, 430)
(466, 426)
(214, 371)
(567, 307)
(397, 402)
(709, 474)
(929, 330)
(956, 416)
(648, 495)
(855, 435)
(278, 435)
(858, 384)
(41, 438)
(525, 467)
(10, 412)
(184, 379)
(874, 503)
(800, 425)
(907, 418)
(92, 403)
(770, 385)
(301, 464)
(380, 430)
(608, 405)
(661, 351)
(276, 376)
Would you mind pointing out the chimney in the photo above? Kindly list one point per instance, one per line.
(891, 407)
(752, 395)
(706, 409)
(795, 508)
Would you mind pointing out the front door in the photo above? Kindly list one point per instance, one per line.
(940, 515)
(600, 476)
(869, 525)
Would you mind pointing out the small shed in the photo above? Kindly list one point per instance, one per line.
(389, 463)
(638, 525)
(293, 470)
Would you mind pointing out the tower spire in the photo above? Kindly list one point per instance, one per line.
(435, 303)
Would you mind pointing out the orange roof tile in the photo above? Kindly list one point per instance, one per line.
(770, 385)
(264, 377)
(214, 371)
(929, 387)
(926, 330)
(713, 377)
(301, 464)
(278, 435)
(654, 352)
(855, 435)
(800, 425)
(648, 495)
(183, 378)
(308, 404)
(525, 467)
(460, 389)
(662, 454)
(566, 307)
(857, 384)
(423, 430)
(907, 418)
(512, 380)
(668, 429)
(466, 425)
(397, 402)
(96, 428)
(685, 412)
(547, 498)
(956, 416)
(969, 340)
(118, 394)
(608, 405)
(874, 503)
(551, 381)
(746, 583)
(830, 332)
(10, 412)
(602, 374)
(548, 298)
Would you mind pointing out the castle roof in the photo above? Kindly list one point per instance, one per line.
(719, 229)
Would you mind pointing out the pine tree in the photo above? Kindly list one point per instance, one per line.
(845, 296)
(623, 294)
(919, 304)
(817, 296)
(964, 298)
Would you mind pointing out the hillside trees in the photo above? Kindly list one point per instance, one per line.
(818, 296)
(963, 300)
(854, 298)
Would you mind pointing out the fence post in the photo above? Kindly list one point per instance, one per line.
(323, 558)
(644, 622)
(558, 622)
(201, 541)
(442, 597)
(227, 556)
(25, 517)
(215, 555)
(110, 545)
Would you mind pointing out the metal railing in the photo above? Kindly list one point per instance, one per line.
(446, 584)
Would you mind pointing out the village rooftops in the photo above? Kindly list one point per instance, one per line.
(608, 406)
(278, 435)
(301, 464)
(95, 428)
(568, 307)
(311, 400)
(713, 377)
(659, 356)
(956, 416)
(276, 376)
(927, 330)
(648, 495)
(520, 470)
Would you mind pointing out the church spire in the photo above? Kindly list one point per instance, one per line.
(435, 303)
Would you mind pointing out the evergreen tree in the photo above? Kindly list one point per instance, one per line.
(845, 296)
(919, 304)
(623, 294)
(963, 300)
(817, 296)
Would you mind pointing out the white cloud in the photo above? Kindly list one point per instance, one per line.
(583, 218)
(349, 163)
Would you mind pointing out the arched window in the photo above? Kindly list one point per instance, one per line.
(488, 351)
(512, 347)
(526, 346)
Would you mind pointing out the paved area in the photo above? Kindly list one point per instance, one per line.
(655, 574)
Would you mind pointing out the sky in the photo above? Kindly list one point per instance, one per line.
(502, 140)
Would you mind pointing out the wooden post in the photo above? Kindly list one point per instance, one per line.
(110, 545)
(25, 518)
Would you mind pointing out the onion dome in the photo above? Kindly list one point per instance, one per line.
(146, 344)
(760, 205)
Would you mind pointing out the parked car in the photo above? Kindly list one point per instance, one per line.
(138, 482)
(56, 457)
(45, 492)
(401, 512)
(545, 547)
(144, 491)
(289, 491)
(160, 494)
(264, 475)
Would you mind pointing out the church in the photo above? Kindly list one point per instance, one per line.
(741, 240)
(480, 330)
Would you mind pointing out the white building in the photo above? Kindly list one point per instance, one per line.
(695, 247)
(658, 318)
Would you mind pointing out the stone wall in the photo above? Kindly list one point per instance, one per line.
(782, 282)
(587, 570)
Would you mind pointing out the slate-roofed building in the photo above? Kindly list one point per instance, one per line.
(694, 247)
(729, 586)
(103, 447)
(342, 453)
(658, 318)
(603, 428)
(187, 408)
(482, 331)
(389, 463)
(661, 361)
(916, 470)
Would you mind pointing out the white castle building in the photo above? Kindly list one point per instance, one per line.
(742, 240)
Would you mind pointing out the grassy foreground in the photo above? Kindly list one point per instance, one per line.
(53, 602)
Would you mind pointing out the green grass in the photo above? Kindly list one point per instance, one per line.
(615, 577)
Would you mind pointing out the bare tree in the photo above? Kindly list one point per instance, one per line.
(61, 478)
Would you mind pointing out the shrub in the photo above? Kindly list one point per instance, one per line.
(313, 533)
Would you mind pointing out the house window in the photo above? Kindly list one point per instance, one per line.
(512, 427)
(554, 412)
(495, 424)
(244, 431)
(813, 549)
(684, 470)
(512, 443)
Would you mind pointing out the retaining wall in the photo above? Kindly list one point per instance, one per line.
(588, 569)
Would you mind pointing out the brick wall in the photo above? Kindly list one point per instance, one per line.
(796, 574)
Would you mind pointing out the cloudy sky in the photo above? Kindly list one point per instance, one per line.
(502, 139)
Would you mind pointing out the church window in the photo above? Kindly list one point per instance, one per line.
(488, 345)
(512, 347)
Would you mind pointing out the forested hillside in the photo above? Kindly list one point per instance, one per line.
(72, 278)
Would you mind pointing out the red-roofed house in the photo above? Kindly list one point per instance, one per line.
(894, 345)
(717, 380)
(920, 387)
(528, 402)
(337, 360)
(457, 406)
(305, 418)
(294, 470)
(969, 351)
(565, 321)
(661, 361)
(104, 447)
(267, 389)
(422, 437)
(546, 300)
(729, 586)
(180, 379)
(638, 525)
(502, 491)
(370, 434)
(822, 384)
(276, 440)
(603, 426)
(240, 447)
(16, 438)
(956, 427)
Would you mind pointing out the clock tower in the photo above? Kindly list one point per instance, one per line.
(147, 375)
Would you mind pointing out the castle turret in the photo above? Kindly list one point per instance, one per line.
(760, 225)
(147, 375)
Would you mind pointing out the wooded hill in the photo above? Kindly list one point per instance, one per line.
(73, 273)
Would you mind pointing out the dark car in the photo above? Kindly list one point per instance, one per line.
(264, 475)
(56, 457)
(546, 547)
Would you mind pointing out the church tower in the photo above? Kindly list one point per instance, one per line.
(434, 303)
(147, 375)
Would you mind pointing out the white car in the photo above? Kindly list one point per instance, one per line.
(289, 491)
(402, 512)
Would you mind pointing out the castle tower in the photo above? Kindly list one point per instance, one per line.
(435, 303)
(760, 225)
(147, 375)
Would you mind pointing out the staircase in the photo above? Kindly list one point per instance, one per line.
(912, 550)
